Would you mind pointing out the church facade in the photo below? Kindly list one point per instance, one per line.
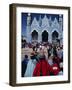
(44, 30)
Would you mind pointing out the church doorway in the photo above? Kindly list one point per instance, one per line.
(45, 36)
(55, 36)
(34, 35)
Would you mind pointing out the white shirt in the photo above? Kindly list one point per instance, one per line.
(30, 68)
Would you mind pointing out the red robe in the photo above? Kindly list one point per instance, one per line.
(42, 68)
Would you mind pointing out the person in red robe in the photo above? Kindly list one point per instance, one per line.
(42, 67)
(54, 65)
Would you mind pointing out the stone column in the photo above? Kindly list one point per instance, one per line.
(39, 37)
(28, 28)
(50, 38)
(61, 38)
(28, 34)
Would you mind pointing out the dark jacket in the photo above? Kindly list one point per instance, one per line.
(24, 66)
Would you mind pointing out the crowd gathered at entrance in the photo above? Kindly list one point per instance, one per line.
(46, 59)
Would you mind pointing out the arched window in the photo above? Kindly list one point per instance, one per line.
(44, 36)
(55, 35)
(35, 35)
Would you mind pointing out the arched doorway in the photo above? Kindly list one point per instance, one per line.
(45, 36)
(55, 36)
(34, 35)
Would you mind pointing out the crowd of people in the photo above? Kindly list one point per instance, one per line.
(45, 60)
